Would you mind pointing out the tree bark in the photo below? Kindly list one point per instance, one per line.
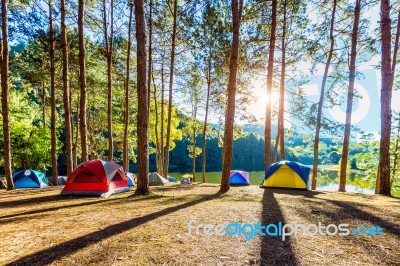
(387, 73)
(126, 111)
(171, 85)
(204, 142)
(275, 155)
(350, 95)
(66, 90)
(43, 105)
(321, 97)
(82, 81)
(142, 113)
(75, 144)
(149, 72)
(108, 40)
(158, 147)
(162, 153)
(194, 103)
(54, 170)
(5, 97)
(230, 110)
(281, 113)
(270, 70)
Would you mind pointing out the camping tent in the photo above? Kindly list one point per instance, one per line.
(286, 174)
(156, 180)
(97, 178)
(29, 179)
(239, 178)
(171, 179)
(3, 183)
(185, 180)
(187, 176)
(61, 180)
(131, 178)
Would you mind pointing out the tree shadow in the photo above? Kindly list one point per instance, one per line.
(11, 194)
(49, 255)
(351, 212)
(296, 192)
(29, 201)
(274, 251)
(18, 216)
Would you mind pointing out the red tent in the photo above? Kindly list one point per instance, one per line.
(96, 177)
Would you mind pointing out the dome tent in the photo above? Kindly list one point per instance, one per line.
(239, 178)
(96, 178)
(156, 180)
(29, 179)
(131, 178)
(286, 174)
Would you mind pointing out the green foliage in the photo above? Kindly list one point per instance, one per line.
(31, 144)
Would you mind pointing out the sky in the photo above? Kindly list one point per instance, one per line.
(366, 110)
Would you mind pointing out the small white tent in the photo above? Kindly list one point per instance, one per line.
(156, 180)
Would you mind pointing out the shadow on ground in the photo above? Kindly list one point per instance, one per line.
(49, 255)
(274, 251)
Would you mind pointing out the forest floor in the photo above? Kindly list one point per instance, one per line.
(39, 227)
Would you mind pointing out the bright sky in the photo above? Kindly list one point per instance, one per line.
(366, 111)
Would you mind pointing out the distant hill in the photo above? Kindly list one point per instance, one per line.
(259, 129)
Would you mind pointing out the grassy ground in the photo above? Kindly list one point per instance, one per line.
(38, 227)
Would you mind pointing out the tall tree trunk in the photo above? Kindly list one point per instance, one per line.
(275, 155)
(270, 72)
(281, 113)
(54, 172)
(194, 137)
(66, 90)
(387, 73)
(142, 113)
(126, 111)
(230, 109)
(350, 94)
(171, 84)
(149, 72)
(75, 145)
(321, 97)
(5, 97)
(43, 105)
(204, 142)
(162, 153)
(109, 41)
(158, 147)
(82, 82)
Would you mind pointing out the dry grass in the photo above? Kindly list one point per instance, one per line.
(38, 227)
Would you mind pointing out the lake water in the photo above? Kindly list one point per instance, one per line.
(357, 181)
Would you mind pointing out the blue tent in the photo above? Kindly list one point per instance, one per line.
(239, 178)
(185, 180)
(130, 178)
(171, 179)
(287, 174)
(29, 179)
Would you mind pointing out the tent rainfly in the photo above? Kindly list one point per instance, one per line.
(286, 174)
(96, 178)
(239, 178)
(29, 179)
(156, 180)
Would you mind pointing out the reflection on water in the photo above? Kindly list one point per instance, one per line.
(357, 181)
(349, 188)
